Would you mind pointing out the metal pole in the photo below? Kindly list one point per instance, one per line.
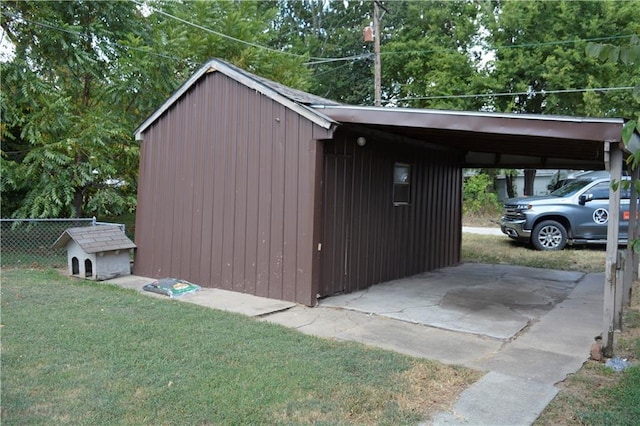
(376, 50)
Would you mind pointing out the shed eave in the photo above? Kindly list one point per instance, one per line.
(593, 129)
(214, 65)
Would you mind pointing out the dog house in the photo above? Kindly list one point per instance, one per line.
(97, 252)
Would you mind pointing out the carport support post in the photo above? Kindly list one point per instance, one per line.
(631, 261)
(613, 162)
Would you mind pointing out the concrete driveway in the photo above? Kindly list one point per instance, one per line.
(492, 300)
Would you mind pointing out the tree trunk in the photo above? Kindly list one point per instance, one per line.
(509, 175)
(78, 198)
(529, 177)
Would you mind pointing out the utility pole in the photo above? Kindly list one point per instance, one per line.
(376, 51)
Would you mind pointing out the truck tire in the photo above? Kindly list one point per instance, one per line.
(549, 235)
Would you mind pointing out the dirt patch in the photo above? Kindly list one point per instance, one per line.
(434, 388)
(422, 391)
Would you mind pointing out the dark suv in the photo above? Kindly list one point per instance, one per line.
(575, 213)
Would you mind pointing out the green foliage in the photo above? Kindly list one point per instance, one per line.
(478, 199)
(529, 61)
(332, 31)
(429, 53)
(629, 55)
(64, 105)
(85, 74)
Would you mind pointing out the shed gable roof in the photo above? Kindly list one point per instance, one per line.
(293, 99)
(95, 239)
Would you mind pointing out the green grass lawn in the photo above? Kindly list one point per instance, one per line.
(495, 249)
(80, 352)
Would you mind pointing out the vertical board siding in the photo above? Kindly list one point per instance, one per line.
(368, 240)
(226, 193)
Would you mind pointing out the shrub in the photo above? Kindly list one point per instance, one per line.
(479, 197)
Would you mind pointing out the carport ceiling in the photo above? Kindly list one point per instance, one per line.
(490, 140)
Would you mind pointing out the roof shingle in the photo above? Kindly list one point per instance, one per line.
(96, 239)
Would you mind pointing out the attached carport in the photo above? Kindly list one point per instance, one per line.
(492, 140)
(499, 140)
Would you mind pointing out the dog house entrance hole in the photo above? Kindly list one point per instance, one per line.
(75, 266)
(88, 268)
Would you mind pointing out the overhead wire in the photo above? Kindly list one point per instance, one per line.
(318, 60)
(219, 34)
(115, 43)
(533, 93)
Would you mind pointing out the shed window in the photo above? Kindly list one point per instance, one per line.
(401, 184)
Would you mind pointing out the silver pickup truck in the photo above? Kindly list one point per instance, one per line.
(576, 213)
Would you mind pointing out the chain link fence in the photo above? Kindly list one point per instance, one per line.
(28, 242)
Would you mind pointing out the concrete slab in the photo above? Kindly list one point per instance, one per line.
(531, 364)
(223, 300)
(411, 339)
(570, 328)
(497, 301)
(498, 399)
(482, 230)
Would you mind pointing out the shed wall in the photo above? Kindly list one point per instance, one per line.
(366, 238)
(225, 195)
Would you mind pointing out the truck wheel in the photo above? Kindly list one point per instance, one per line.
(549, 235)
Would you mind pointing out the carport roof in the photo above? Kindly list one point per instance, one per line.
(492, 139)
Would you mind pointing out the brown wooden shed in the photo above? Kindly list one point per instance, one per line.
(251, 186)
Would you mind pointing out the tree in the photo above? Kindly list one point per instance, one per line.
(540, 61)
(629, 56)
(86, 73)
(64, 103)
(330, 35)
(429, 56)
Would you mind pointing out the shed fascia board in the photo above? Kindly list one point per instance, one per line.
(213, 65)
(594, 129)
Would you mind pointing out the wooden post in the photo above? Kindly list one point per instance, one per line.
(631, 259)
(613, 158)
(617, 320)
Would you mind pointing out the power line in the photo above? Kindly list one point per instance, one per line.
(515, 46)
(533, 92)
(346, 58)
(219, 34)
(79, 34)
(316, 60)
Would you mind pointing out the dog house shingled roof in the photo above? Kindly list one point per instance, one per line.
(96, 239)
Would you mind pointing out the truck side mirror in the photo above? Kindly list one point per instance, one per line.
(585, 198)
